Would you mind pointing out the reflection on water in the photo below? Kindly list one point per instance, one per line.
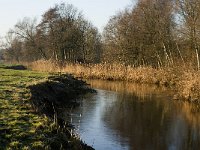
(139, 117)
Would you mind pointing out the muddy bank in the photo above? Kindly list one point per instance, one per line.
(54, 95)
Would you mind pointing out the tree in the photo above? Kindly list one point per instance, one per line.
(189, 10)
(142, 34)
(12, 48)
(65, 34)
(62, 35)
(25, 30)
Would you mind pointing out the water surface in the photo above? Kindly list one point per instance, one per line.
(124, 116)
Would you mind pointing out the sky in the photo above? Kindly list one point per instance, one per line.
(96, 11)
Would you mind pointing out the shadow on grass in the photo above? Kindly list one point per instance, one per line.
(16, 67)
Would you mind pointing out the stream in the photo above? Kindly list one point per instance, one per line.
(129, 116)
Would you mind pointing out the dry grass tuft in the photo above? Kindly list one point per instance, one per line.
(189, 86)
(41, 65)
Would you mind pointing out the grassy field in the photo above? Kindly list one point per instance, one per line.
(20, 126)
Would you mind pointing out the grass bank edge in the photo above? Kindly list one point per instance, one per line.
(21, 127)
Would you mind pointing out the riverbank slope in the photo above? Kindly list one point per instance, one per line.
(22, 123)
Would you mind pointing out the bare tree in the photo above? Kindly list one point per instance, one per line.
(142, 34)
(189, 10)
(25, 30)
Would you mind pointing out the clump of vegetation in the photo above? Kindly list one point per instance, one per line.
(21, 127)
(189, 86)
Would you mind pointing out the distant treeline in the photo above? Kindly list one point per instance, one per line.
(151, 32)
(62, 35)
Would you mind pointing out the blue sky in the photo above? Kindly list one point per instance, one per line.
(97, 11)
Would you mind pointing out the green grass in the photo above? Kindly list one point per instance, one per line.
(20, 126)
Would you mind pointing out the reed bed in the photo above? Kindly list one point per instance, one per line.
(186, 80)
(116, 72)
